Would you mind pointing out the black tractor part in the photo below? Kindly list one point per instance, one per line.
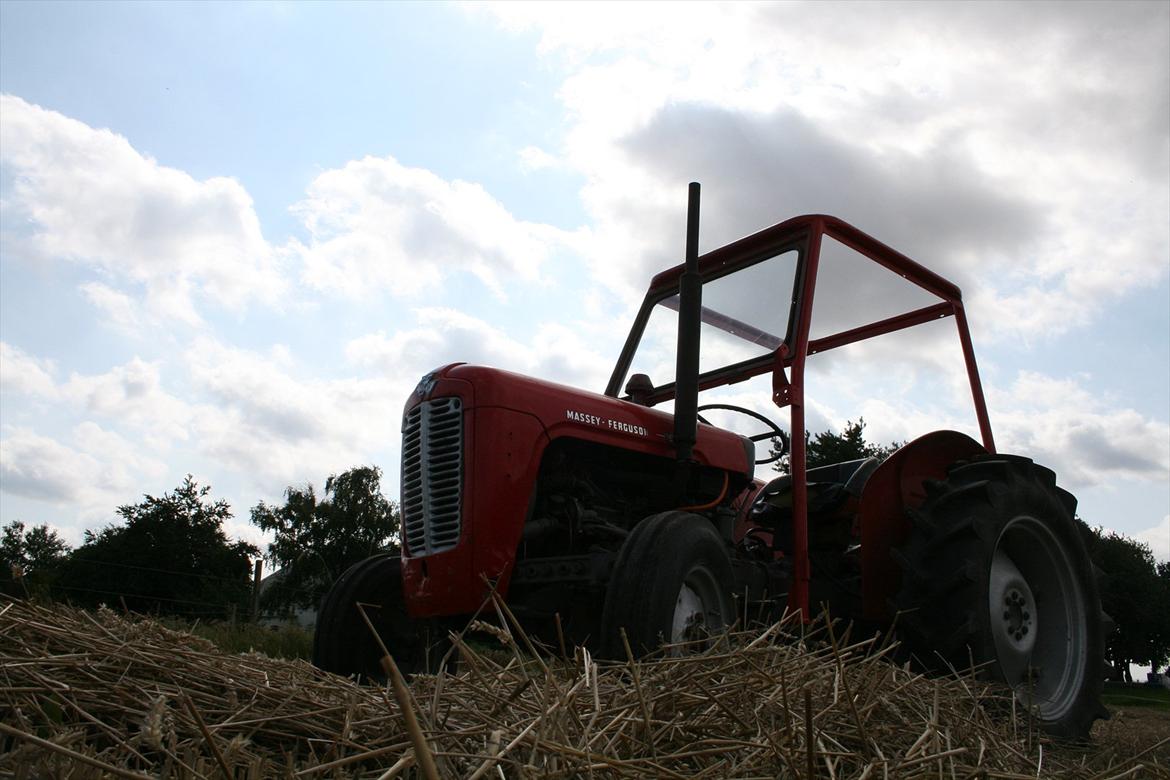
(996, 574)
(671, 583)
(343, 643)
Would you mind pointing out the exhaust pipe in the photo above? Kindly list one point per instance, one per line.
(690, 304)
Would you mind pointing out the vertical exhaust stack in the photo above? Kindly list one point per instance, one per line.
(690, 302)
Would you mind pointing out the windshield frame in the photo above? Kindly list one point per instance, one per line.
(712, 266)
(804, 233)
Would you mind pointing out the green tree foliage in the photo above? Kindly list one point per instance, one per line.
(171, 557)
(1163, 608)
(29, 559)
(315, 540)
(827, 447)
(1135, 592)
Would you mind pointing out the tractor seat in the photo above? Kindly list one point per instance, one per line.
(830, 490)
(828, 486)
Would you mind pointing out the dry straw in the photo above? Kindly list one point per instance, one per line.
(101, 695)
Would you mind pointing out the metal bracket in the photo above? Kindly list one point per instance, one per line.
(783, 393)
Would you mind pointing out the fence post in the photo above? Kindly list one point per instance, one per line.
(259, 569)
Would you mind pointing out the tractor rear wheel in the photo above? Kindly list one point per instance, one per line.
(671, 584)
(342, 642)
(995, 574)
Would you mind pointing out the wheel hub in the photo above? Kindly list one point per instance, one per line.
(690, 620)
(1013, 617)
(1017, 616)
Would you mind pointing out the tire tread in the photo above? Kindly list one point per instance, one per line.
(953, 534)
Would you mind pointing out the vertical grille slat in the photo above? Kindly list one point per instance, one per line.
(432, 476)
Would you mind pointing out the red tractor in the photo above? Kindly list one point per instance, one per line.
(591, 513)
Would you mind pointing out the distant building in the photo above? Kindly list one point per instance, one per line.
(305, 617)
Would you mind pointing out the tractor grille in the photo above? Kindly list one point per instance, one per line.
(432, 475)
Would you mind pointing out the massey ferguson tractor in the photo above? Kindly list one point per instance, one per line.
(591, 513)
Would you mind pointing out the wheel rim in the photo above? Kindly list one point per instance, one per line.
(1038, 617)
(698, 610)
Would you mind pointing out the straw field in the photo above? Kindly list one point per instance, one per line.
(88, 695)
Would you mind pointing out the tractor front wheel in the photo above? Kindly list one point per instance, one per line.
(995, 573)
(342, 642)
(671, 584)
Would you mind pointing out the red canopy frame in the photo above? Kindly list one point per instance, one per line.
(805, 235)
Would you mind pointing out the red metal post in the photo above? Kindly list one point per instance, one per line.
(973, 377)
(798, 597)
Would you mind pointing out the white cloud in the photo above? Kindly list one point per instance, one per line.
(89, 196)
(269, 398)
(133, 394)
(117, 308)
(582, 28)
(124, 464)
(89, 475)
(1087, 441)
(556, 352)
(24, 374)
(377, 225)
(1024, 151)
(274, 428)
(93, 467)
(40, 467)
(533, 158)
(1158, 538)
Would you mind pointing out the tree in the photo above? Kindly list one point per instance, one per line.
(1162, 607)
(171, 557)
(29, 558)
(827, 447)
(1135, 592)
(316, 540)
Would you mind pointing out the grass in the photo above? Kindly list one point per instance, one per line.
(1128, 695)
(288, 641)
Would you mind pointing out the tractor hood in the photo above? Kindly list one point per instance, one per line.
(564, 411)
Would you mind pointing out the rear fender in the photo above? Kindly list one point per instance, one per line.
(895, 487)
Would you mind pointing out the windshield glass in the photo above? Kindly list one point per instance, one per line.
(745, 315)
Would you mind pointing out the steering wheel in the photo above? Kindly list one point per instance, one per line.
(774, 430)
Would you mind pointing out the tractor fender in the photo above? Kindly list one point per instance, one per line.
(896, 487)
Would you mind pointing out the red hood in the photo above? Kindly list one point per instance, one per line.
(576, 413)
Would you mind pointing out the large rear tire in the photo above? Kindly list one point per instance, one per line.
(671, 583)
(995, 573)
(342, 642)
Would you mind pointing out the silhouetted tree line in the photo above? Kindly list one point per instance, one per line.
(1135, 593)
(170, 555)
(828, 447)
(315, 539)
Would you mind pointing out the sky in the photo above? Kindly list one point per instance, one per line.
(234, 236)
